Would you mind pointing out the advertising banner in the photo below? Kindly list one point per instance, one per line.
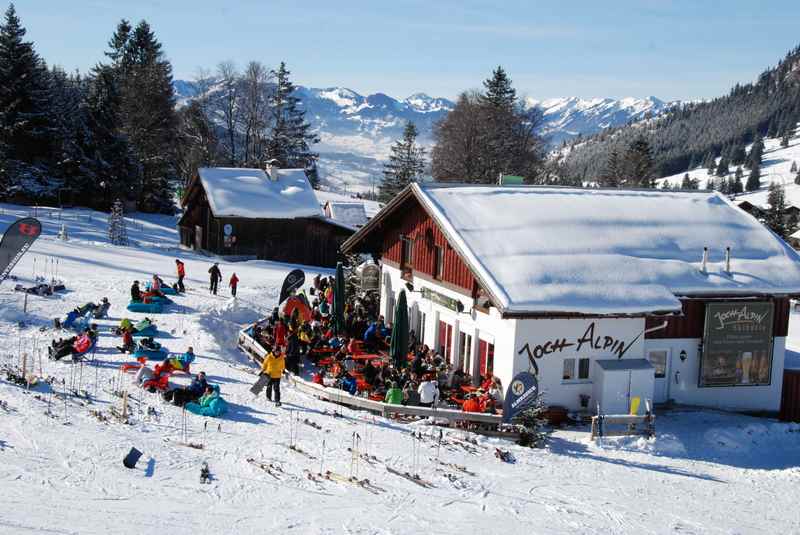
(521, 394)
(16, 241)
(294, 280)
(737, 349)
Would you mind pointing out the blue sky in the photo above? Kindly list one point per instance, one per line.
(670, 49)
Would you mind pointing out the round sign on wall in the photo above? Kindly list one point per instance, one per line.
(228, 229)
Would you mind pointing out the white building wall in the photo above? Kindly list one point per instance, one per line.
(537, 332)
(683, 379)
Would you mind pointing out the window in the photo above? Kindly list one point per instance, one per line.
(438, 262)
(421, 327)
(659, 361)
(569, 370)
(583, 368)
(486, 354)
(406, 258)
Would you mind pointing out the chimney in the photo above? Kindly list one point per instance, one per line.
(704, 269)
(728, 260)
(271, 168)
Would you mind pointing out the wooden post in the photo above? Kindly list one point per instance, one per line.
(125, 405)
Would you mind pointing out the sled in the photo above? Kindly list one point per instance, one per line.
(155, 355)
(150, 308)
(169, 290)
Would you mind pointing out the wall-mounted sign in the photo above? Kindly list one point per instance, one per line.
(737, 349)
(370, 277)
(590, 340)
(440, 299)
(227, 229)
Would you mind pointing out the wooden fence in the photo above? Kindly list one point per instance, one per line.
(790, 396)
(335, 395)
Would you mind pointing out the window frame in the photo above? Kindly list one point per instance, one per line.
(564, 363)
(438, 262)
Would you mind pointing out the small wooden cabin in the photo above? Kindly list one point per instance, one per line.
(252, 213)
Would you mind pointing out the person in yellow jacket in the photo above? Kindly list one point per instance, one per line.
(273, 366)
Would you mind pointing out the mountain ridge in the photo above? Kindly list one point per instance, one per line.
(365, 126)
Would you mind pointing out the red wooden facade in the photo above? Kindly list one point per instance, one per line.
(415, 224)
(692, 323)
(790, 396)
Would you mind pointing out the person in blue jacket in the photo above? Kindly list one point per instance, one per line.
(349, 384)
(210, 404)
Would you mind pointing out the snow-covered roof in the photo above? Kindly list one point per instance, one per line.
(250, 193)
(351, 214)
(590, 251)
(371, 208)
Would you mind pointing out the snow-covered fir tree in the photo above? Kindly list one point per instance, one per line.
(406, 164)
(117, 233)
(289, 142)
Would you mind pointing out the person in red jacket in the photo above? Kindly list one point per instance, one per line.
(232, 283)
(471, 404)
(181, 274)
(280, 333)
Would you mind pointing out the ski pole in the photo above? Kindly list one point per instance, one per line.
(322, 457)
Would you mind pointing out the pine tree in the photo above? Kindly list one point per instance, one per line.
(756, 153)
(117, 233)
(638, 164)
(754, 179)
(25, 132)
(406, 164)
(722, 167)
(147, 111)
(499, 91)
(291, 136)
(686, 182)
(777, 206)
(611, 176)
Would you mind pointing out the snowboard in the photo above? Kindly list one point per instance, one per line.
(259, 385)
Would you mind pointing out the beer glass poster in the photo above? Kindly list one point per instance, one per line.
(738, 344)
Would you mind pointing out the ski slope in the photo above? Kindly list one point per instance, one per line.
(776, 165)
(706, 472)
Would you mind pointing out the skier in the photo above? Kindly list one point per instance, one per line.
(136, 292)
(181, 274)
(216, 276)
(232, 283)
(273, 365)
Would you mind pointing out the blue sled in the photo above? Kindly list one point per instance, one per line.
(151, 308)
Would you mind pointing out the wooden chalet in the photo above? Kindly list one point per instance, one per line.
(252, 213)
(563, 282)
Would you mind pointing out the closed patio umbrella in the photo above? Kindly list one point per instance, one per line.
(398, 350)
(338, 299)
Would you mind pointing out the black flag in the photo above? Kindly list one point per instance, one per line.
(293, 281)
(521, 394)
(16, 241)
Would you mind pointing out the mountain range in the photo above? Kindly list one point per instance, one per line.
(357, 131)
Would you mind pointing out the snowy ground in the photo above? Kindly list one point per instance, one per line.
(707, 472)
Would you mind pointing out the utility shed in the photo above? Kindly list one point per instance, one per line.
(617, 381)
(253, 213)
